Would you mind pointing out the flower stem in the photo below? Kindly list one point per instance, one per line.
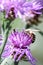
(16, 63)
(6, 33)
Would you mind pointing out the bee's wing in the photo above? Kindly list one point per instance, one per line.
(32, 30)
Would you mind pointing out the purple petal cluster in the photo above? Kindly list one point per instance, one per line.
(21, 8)
(17, 46)
(20, 39)
(37, 6)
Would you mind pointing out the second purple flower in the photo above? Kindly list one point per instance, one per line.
(18, 46)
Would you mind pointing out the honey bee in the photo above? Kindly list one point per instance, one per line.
(32, 34)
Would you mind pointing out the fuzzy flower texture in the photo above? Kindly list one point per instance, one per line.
(18, 46)
(21, 8)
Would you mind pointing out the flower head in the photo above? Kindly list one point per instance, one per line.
(11, 7)
(30, 9)
(21, 8)
(33, 11)
(18, 47)
(20, 39)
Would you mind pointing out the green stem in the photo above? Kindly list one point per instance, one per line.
(16, 63)
(6, 37)
(5, 40)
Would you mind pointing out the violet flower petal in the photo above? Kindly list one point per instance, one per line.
(15, 56)
(30, 57)
(20, 56)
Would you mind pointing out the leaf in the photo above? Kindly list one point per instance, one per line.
(18, 24)
(1, 18)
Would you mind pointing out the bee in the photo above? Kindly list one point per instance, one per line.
(32, 34)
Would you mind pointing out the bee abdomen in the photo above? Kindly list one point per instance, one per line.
(33, 38)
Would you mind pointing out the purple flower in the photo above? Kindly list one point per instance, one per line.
(20, 39)
(29, 9)
(21, 8)
(11, 7)
(17, 46)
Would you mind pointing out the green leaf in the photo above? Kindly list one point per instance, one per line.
(18, 24)
(1, 18)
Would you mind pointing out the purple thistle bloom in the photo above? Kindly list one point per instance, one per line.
(11, 10)
(29, 9)
(17, 46)
(20, 39)
(21, 8)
